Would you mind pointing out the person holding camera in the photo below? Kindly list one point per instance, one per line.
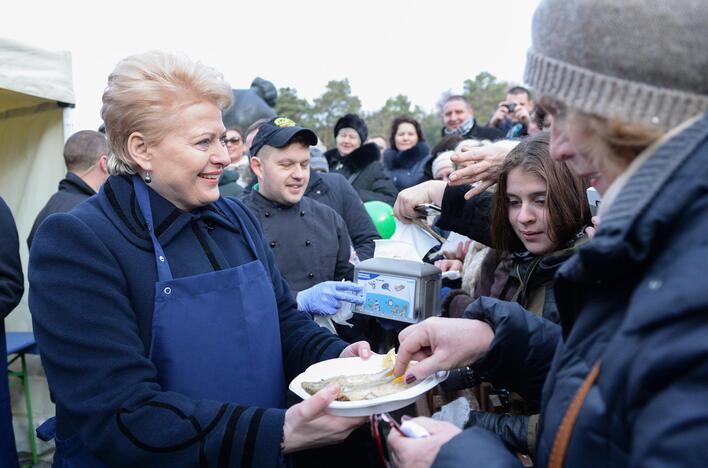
(513, 115)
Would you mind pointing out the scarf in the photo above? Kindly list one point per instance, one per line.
(462, 130)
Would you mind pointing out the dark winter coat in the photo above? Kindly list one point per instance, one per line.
(407, 168)
(228, 183)
(334, 191)
(528, 281)
(92, 280)
(481, 133)
(72, 191)
(309, 240)
(11, 289)
(365, 172)
(12, 283)
(634, 299)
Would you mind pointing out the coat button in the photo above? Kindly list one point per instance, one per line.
(319, 192)
(654, 285)
(267, 214)
(302, 213)
(272, 243)
(311, 275)
(307, 242)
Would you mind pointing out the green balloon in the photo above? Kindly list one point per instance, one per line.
(382, 215)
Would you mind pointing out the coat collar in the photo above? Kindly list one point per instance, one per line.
(315, 183)
(356, 160)
(408, 158)
(259, 202)
(75, 184)
(117, 198)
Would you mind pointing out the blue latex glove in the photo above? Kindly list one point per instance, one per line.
(325, 298)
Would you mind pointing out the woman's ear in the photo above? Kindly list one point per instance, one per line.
(138, 150)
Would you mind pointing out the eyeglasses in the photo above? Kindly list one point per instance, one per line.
(233, 141)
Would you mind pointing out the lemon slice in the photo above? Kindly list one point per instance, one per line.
(389, 361)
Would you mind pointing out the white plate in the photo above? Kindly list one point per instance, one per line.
(353, 366)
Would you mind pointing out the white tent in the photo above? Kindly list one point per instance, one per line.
(35, 90)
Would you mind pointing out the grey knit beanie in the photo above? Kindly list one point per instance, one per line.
(640, 61)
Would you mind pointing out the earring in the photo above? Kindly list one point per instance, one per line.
(147, 177)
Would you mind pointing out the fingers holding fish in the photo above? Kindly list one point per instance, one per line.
(307, 424)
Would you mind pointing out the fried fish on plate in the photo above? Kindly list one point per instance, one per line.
(363, 386)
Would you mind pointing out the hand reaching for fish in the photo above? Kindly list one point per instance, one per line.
(441, 344)
(308, 425)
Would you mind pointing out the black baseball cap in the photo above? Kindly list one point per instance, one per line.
(279, 132)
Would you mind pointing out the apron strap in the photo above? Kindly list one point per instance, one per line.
(562, 440)
(237, 215)
(143, 198)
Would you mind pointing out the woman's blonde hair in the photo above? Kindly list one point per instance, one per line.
(145, 90)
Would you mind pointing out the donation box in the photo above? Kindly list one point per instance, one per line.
(401, 290)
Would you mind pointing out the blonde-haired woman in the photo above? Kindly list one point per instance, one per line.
(167, 333)
(624, 372)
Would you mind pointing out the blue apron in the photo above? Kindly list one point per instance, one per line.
(214, 336)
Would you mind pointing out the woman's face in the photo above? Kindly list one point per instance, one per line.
(573, 140)
(406, 137)
(528, 213)
(234, 145)
(347, 141)
(186, 165)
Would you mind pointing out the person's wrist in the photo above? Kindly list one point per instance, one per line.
(285, 445)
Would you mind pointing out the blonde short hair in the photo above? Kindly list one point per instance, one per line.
(145, 90)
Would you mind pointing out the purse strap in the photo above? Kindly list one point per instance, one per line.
(560, 444)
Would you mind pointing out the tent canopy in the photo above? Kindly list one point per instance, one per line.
(27, 72)
(35, 87)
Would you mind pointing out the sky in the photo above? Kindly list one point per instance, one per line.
(384, 47)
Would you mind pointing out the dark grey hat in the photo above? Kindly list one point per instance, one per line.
(639, 61)
(279, 132)
(355, 122)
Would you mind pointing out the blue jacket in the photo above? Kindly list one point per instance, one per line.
(407, 168)
(92, 274)
(634, 298)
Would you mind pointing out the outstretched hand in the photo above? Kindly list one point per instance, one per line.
(441, 344)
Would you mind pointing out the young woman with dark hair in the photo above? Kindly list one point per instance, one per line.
(409, 154)
(538, 216)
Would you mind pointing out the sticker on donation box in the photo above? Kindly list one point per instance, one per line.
(386, 295)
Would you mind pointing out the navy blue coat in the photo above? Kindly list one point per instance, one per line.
(407, 168)
(635, 298)
(92, 275)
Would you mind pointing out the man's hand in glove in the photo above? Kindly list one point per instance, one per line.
(325, 298)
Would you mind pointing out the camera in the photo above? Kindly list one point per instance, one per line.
(511, 106)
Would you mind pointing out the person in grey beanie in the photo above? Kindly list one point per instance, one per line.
(619, 382)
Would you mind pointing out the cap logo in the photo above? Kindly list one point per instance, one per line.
(283, 122)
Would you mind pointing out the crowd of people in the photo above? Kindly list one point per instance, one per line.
(186, 271)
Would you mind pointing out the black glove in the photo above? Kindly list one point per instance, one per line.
(513, 430)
